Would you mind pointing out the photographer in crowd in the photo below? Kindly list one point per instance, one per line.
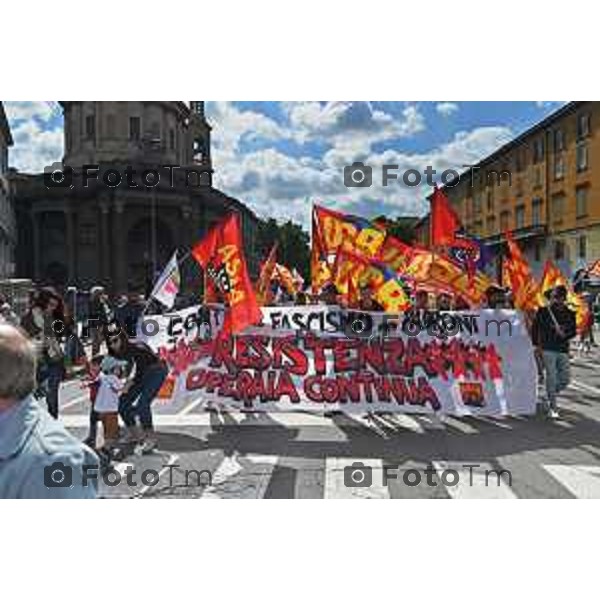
(38, 457)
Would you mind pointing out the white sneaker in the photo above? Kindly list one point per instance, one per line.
(553, 414)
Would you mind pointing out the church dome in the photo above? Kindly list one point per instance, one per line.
(148, 132)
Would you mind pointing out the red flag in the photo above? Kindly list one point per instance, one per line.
(263, 286)
(445, 223)
(447, 235)
(221, 255)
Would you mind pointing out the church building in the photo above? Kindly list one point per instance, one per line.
(102, 216)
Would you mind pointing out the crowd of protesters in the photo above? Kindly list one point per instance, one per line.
(124, 375)
(551, 327)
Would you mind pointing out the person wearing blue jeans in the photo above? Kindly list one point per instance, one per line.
(50, 376)
(45, 323)
(553, 328)
(558, 375)
(135, 403)
(143, 390)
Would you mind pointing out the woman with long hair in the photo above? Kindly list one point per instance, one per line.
(135, 403)
(45, 324)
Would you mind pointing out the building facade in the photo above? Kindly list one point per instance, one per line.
(8, 230)
(118, 225)
(543, 186)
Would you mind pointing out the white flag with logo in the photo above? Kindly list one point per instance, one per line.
(167, 286)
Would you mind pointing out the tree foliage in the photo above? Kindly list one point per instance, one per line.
(294, 248)
(402, 228)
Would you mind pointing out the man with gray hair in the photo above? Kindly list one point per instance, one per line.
(38, 457)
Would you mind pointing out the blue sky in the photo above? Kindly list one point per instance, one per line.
(279, 157)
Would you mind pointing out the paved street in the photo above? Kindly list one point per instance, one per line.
(300, 455)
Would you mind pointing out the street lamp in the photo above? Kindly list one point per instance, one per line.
(153, 241)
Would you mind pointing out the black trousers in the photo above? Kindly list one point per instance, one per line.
(94, 420)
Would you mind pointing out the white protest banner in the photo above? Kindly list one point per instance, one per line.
(326, 358)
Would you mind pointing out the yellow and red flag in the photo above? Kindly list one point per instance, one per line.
(347, 270)
(332, 230)
(553, 277)
(320, 270)
(520, 278)
(264, 295)
(505, 273)
(355, 271)
(355, 233)
(439, 273)
(395, 254)
(221, 255)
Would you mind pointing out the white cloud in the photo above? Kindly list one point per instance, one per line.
(234, 125)
(38, 142)
(550, 104)
(43, 111)
(277, 185)
(351, 126)
(280, 183)
(446, 109)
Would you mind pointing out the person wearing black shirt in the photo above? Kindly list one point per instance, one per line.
(553, 328)
(135, 403)
(100, 314)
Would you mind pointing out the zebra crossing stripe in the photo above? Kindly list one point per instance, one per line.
(172, 460)
(265, 419)
(407, 422)
(249, 477)
(432, 422)
(479, 482)
(74, 401)
(356, 472)
(585, 387)
(235, 478)
(459, 425)
(190, 407)
(582, 481)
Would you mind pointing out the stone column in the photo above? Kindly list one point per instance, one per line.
(188, 217)
(36, 245)
(71, 244)
(104, 250)
(120, 258)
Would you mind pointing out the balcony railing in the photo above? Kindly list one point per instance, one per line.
(523, 233)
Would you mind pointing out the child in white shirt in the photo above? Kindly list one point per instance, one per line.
(111, 384)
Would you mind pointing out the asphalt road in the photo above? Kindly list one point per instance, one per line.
(300, 455)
